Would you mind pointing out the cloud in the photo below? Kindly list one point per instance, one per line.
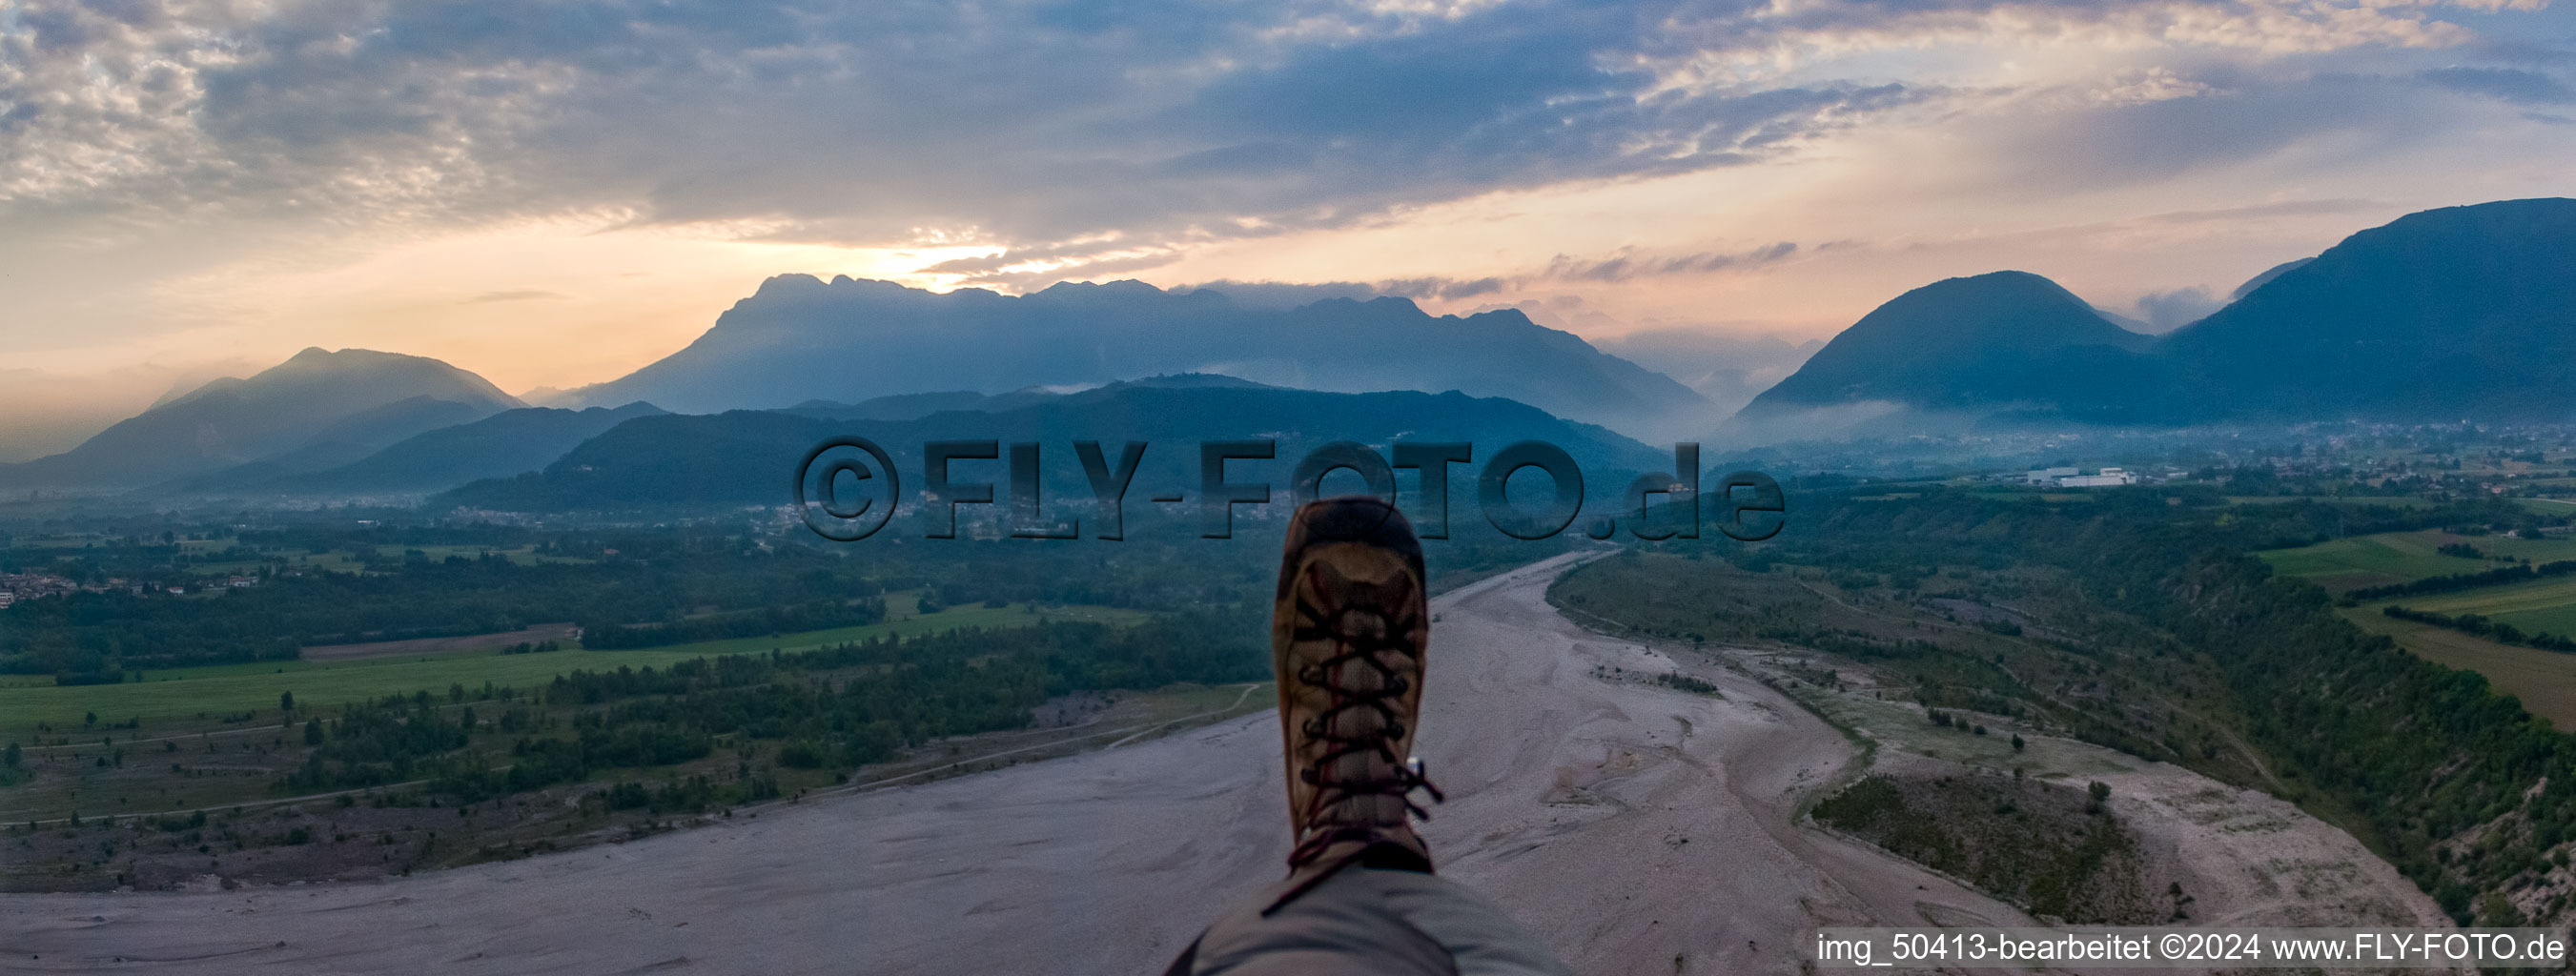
(2516, 85)
(2165, 311)
(1446, 287)
(489, 297)
(2279, 208)
(1727, 368)
(2046, 144)
(1036, 140)
(1028, 125)
(1625, 266)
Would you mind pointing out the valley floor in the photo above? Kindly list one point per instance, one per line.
(1637, 827)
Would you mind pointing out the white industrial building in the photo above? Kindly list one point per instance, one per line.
(2108, 478)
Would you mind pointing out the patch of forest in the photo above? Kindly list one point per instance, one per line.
(2478, 625)
(2053, 850)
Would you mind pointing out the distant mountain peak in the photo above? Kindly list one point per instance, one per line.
(788, 284)
(356, 398)
(1123, 287)
(316, 357)
(854, 342)
(2266, 277)
(2458, 312)
(2002, 305)
(2003, 337)
(1190, 381)
(2455, 312)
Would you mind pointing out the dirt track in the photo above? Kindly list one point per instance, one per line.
(1637, 828)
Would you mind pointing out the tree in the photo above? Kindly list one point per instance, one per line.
(313, 732)
(2017, 743)
(9, 758)
(2100, 792)
(285, 701)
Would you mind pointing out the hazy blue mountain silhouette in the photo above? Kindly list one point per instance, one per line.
(2266, 277)
(348, 440)
(1993, 340)
(2443, 315)
(801, 339)
(914, 406)
(2450, 314)
(328, 403)
(746, 456)
(497, 446)
(900, 406)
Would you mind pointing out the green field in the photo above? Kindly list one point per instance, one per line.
(2397, 557)
(2544, 680)
(2540, 605)
(2392, 501)
(343, 561)
(165, 698)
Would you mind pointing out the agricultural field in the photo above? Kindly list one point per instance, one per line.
(2051, 497)
(353, 561)
(306, 770)
(187, 699)
(2391, 501)
(2545, 681)
(2398, 557)
(2539, 606)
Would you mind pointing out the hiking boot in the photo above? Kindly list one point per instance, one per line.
(1347, 637)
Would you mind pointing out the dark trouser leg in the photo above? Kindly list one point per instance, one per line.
(1370, 921)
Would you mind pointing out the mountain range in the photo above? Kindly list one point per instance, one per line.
(313, 411)
(497, 446)
(745, 457)
(800, 338)
(2442, 315)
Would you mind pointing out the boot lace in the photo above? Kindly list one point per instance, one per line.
(1396, 776)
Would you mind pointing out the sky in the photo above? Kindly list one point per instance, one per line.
(555, 192)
